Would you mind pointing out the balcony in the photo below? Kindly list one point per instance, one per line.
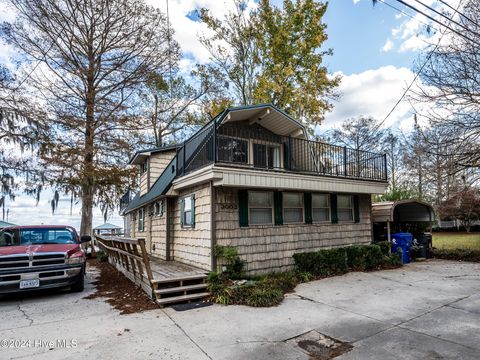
(253, 147)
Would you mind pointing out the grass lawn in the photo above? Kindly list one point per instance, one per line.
(456, 240)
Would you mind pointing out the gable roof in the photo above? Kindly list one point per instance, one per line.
(267, 115)
(107, 226)
(140, 156)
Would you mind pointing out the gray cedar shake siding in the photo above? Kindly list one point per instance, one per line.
(268, 248)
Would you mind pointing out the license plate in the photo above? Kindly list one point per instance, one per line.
(27, 284)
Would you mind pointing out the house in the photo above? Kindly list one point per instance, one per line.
(107, 229)
(4, 224)
(252, 179)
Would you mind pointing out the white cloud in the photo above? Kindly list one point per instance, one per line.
(387, 46)
(373, 93)
(356, 1)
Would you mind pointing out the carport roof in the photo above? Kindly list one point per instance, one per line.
(402, 211)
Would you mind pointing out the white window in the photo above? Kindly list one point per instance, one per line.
(292, 207)
(188, 211)
(345, 207)
(260, 207)
(320, 207)
(141, 219)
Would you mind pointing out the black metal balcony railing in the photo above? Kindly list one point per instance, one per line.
(254, 147)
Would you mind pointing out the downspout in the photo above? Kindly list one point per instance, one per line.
(213, 230)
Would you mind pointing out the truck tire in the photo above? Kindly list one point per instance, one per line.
(79, 285)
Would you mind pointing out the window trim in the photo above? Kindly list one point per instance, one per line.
(182, 211)
(277, 146)
(302, 207)
(256, 207)
(352, 209)
(329, 209)
(159, 208)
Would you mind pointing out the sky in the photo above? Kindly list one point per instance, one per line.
(375, 49)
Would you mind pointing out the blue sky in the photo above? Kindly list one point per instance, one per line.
(374, 50)
(357, 33)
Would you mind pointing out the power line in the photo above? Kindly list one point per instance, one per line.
(417, 74)
(406, 14)
(445, 17)
(461, 14)
(438, 22)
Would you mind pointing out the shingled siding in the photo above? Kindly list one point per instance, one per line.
(158, 163)
(159, 235)
(268, 248)
(192, 245)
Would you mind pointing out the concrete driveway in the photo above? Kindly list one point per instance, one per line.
(428, 310)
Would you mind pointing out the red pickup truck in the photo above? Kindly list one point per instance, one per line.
(41, 257)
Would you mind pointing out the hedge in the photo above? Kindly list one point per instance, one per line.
(340, 260)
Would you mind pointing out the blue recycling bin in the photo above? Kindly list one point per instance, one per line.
(402, 241)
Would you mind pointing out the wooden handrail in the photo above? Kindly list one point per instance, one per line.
(129, 255)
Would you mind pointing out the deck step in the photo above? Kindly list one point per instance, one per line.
(181, 278)
(180, 288)
(182, 298)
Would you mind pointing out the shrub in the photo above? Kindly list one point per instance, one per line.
(338, 261)
(385, 246)
(234, 265)
(326, 262)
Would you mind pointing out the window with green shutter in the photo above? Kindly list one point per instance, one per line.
(187, 211)
(307, 200)
(333, 205)
(243, 207)
(356, 208)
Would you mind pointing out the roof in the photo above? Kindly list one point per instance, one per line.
(159, 188)
(5, 224)
(402, 211)
(267, 115)
(140, 156)
(107, 226)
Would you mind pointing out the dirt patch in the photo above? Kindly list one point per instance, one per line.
(120, 293)
(318, 346)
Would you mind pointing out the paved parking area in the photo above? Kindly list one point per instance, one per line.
(428, 310)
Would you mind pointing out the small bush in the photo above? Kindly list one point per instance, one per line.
(338, 261)
(385, 246)
(457, 254)
(102, 256)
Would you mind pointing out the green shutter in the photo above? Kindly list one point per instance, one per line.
(243, 207)
(182, 203)
(356, 209)
(277, 207)
(333, 205)
(193, 210)
(307, 203)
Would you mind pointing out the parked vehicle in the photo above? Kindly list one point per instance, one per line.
(41, 257)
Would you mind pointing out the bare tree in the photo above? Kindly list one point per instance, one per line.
(451, 90)
(91, 57)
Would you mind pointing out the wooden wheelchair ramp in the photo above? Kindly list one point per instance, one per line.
(168, 282)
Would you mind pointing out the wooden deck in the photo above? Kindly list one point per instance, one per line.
(167, 282)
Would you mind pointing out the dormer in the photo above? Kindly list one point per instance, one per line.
(151, 164)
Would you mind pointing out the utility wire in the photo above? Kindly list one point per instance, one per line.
(461, 14)
(446, 17)
(439, 22)
(417, 74)
(407, 14)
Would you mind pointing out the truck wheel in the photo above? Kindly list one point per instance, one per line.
(79, 285)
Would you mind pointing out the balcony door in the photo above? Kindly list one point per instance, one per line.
(266, 156)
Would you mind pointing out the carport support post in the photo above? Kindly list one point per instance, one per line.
(389, 238)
